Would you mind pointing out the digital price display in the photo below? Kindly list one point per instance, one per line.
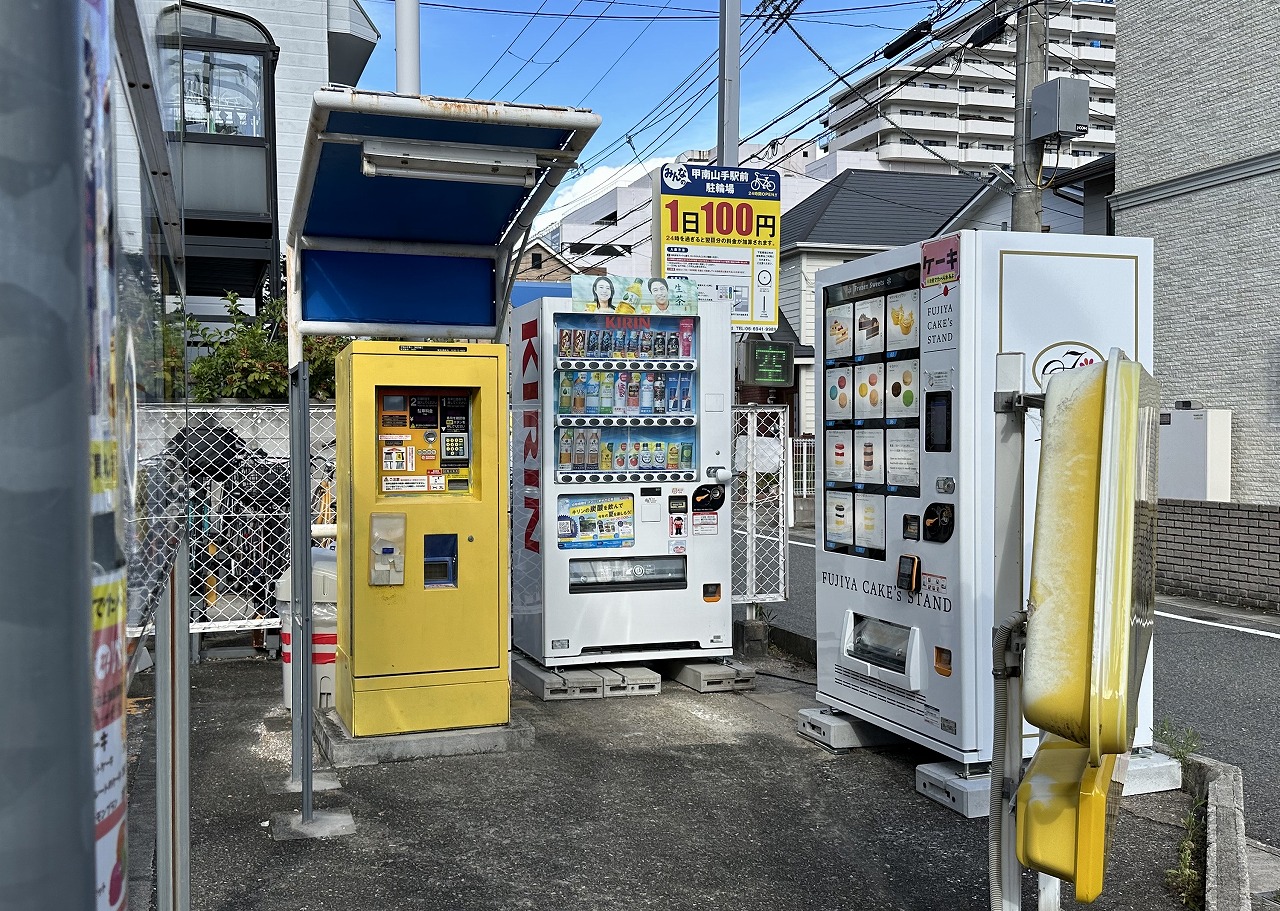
(770, 363)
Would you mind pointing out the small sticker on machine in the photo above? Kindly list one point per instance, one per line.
(706, 523)
(395, 483)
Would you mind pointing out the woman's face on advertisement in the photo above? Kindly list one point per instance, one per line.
(604, 289)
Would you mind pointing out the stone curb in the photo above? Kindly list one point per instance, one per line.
(1226, 866)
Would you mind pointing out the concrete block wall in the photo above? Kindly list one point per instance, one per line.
(1225, 552)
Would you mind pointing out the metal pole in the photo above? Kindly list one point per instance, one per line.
(1008, 596)
(408, 57)
(173, 737)
(300, 545)
(730, 82)
(47, 803)
(1028, 155)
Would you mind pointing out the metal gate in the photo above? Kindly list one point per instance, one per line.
(761, 465)
(235, 459)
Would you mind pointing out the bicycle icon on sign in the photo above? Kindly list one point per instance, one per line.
(763, 183)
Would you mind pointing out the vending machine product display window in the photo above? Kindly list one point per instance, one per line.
(870, 406)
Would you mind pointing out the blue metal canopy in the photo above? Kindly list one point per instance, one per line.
(408, 209)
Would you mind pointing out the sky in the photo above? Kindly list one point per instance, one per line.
(638, 72)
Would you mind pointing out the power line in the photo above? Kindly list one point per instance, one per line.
(507, 50)
(570, 47)
(695, 14)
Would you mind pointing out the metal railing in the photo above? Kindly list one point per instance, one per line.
(760, 504)
(803, 467)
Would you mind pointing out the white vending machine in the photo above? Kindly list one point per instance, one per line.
(621, 451)
(906, 345)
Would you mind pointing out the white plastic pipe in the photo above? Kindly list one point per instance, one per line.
(408, 56)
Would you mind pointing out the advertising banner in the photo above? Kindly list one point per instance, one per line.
(585, 521)
(628, 295)
(720, 227)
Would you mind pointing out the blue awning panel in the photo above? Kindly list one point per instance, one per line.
(389, 288)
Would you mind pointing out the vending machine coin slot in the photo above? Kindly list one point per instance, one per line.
(910, 528)
(939, 522)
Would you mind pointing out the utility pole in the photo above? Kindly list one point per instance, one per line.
(47, 802)
(730, 83)
(1028, 155)
(408, 56)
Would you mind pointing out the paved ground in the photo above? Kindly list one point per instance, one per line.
(675, 801)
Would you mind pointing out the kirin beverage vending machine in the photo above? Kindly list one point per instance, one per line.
(906, 344)
(621, 452)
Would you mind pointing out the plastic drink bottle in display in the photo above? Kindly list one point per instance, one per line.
(592, 399)
(579, 393)
(606, 393)
(566, 393)
(646, 456)
(635, 455)
(673, 344)
(659, 393)
(659, 345)
(580, 449)
(673, 456)
(566, 448)
(660, 456)
(606, 456)
(593, 448)
(686, 337)
(619, 456)
(633, 394)
(646, 343)
(620, 394)
(646, 394)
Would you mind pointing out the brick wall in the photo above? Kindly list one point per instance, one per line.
(1227, 552)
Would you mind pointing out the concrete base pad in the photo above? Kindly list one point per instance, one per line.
(344, 751)
(321, 780)
(629, 680)
(945, 783)
(702, 676)
(746, 676)
(1150, 772)
(840, 733)
(324, 824)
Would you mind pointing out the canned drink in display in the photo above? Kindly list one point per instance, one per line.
(633, 394)
(659, 345)
(633, 343)
(566, 343)
(686, 394)
(620, 343)
(619, 456)
(593, 342)
(686, 337)
(686, 456)
(646, 343)
(673, 456)
(579, 342)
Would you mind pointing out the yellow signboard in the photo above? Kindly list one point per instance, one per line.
(720, 227)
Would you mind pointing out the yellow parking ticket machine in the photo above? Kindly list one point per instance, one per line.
(422, 537)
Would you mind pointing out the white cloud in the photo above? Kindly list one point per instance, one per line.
(591, 186)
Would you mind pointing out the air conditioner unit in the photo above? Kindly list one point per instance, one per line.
(1195, 454)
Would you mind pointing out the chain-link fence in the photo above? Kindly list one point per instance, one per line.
(236, 462)
(803, 467)
(761, 454)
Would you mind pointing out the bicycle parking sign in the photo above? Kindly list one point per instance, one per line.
(720, 227)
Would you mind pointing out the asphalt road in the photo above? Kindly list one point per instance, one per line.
(1220, 683)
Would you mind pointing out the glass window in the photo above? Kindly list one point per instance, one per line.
(221, 93)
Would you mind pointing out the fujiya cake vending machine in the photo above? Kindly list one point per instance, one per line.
(621, 452)
(907, 342)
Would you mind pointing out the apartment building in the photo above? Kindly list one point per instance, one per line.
(953, 105)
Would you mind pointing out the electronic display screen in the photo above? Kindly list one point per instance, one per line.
(393, 403)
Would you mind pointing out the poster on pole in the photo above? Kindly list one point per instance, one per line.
(720, 227)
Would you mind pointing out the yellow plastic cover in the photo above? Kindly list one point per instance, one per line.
(1092, 593)
(1062, 815)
